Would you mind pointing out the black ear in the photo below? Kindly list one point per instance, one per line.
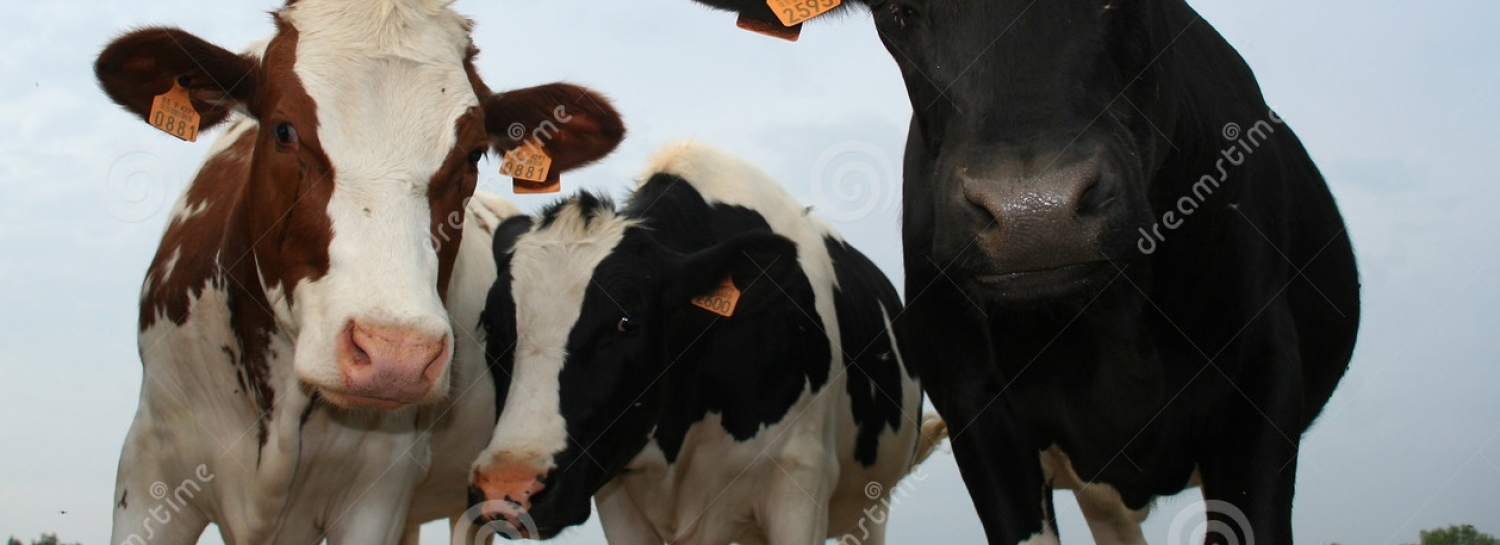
(138, 66)
(758, 264)
(505, 239)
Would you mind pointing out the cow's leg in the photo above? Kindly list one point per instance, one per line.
(793, 509)
(1110, 521)
(381, 502)
(412, 535)
(147, 507)
(949, 347)
(1250, 466)
(624, 523)
(373, 521)
(793, 512)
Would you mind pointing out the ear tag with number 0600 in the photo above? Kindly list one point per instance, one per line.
(531, 168)
(173, 113)
(796, 12)
(721, 301)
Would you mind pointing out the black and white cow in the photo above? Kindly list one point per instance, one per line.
(784, 420)
(1117, 255)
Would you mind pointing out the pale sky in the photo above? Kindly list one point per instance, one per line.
(1397, 101)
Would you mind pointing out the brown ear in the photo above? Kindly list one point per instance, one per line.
(138, 66)
(576, 125)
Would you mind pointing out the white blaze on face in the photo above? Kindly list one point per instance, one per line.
(551, 269)
(389, 83)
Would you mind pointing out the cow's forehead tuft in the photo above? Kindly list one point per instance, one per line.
(582, 217)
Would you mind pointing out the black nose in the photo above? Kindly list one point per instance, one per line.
(1053, 218)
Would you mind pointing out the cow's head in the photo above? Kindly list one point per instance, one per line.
(369, 123)
(586, 320)
(1038, 127)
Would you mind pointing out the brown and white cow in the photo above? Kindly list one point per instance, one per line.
(303, 378)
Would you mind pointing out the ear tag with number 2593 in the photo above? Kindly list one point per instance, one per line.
(796, 12)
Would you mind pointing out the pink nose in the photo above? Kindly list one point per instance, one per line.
(516, 484)
(388, 367)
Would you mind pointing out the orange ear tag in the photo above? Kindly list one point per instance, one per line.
(173, 113)
(531, 169)
(722, 301)
(768, 28)
(796, 12)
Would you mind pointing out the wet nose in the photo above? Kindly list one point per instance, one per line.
(1053, 219)
(392, 365)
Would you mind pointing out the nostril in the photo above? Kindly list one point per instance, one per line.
(985, 203)
(360, 355)
(1093, 197)
(438, 362)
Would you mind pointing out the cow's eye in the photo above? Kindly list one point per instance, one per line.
(626, 325)
(476, 155)
(900, 16)
(286, 134)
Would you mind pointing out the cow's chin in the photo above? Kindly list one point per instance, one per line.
(357, 402)
(1065, 285)
(543, 521)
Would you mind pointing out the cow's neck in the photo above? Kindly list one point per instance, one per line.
(207, 248)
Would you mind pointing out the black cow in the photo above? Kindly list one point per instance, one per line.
(1114, 248)
(778, 412)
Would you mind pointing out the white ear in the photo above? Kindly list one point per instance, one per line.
(488, 210)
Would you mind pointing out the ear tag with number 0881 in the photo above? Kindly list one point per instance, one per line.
(173, 113)
(531, 168)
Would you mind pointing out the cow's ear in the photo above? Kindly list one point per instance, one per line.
(140, 65)
(758, 265)
(506, 236)
(576, 125)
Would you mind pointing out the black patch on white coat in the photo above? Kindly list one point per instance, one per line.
(870, 361)
(750, 372)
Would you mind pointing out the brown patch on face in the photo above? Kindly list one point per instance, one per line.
(292, 183)
(450, 187)
(266, 216)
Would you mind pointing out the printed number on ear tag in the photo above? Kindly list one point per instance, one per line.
(173, 113)
(722, 301)
(796, 12)
(532, 170)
